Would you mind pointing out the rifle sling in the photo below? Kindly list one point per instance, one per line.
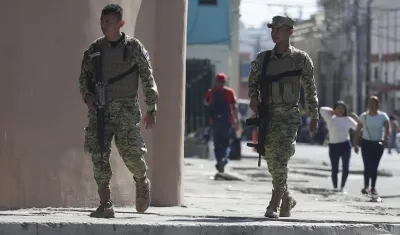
(263, 76)
(277, 77)
(122, 75)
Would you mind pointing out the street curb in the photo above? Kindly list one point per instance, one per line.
(189, 228)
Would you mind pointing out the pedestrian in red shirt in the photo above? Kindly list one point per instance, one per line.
(224, 116)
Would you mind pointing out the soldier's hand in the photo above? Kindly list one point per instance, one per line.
(313, 127)
(254, 103)
(90, 103)
(149, 120)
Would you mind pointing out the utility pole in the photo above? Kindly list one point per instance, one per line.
(359, 79)
(286, 6)
(386, 51)
(395, 46)
(368, 63)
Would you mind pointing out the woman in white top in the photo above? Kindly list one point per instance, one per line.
(339, 125)
(373, 124)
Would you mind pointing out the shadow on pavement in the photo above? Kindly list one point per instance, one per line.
(381, 172)
(390, 196)
(222, 219)
(243, 219)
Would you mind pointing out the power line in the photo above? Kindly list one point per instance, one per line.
(286, 6)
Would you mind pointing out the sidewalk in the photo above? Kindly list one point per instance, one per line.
(228, 207)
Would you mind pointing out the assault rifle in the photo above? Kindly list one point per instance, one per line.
(98, 89)
(100, 99)
(262, 119)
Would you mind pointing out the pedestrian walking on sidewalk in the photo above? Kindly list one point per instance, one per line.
(114, 109)
(374, 129)
(339, 125)
(275, 78)
(224, 118)
(394, 129)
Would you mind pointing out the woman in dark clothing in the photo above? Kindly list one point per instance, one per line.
(372, 123)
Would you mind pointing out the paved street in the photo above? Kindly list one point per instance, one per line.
(217, 206)
(310, 177)
(318, 165)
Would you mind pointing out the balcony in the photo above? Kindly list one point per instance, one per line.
(382, 87)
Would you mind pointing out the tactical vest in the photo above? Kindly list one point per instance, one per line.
(116, 61)
(283, 80)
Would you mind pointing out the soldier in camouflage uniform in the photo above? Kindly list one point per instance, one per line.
(294, 68)
(121, 112)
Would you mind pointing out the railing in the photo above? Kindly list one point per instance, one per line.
(199, 77)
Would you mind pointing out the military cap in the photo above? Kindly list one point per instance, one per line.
(278, 21)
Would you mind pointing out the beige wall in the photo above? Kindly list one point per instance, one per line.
(42, 121)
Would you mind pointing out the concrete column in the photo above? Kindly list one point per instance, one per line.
(42, 119)
(42, 162)
(170, 60)
(145, 31)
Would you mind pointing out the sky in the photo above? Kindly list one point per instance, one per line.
(255, 12)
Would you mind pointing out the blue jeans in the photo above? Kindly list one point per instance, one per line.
(371, 152)
(222, 135)
(337, 151)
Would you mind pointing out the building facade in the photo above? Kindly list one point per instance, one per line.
(212, 33)
(354, 46)
(354, 55)
(330, 47)
(251, 41)
(245, 60)
(43, 162)
(385, 53)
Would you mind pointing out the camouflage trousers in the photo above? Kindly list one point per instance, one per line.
(280, 144)
(121, 121)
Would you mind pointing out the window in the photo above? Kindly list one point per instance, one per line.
(207, 2)
(376, 73)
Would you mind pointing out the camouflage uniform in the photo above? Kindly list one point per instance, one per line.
(122, 117)
(285, 116)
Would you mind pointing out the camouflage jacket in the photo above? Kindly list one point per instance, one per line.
(141, 58)
(307, 77)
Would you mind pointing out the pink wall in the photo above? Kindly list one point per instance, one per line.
(169, 58)
(42, 162)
